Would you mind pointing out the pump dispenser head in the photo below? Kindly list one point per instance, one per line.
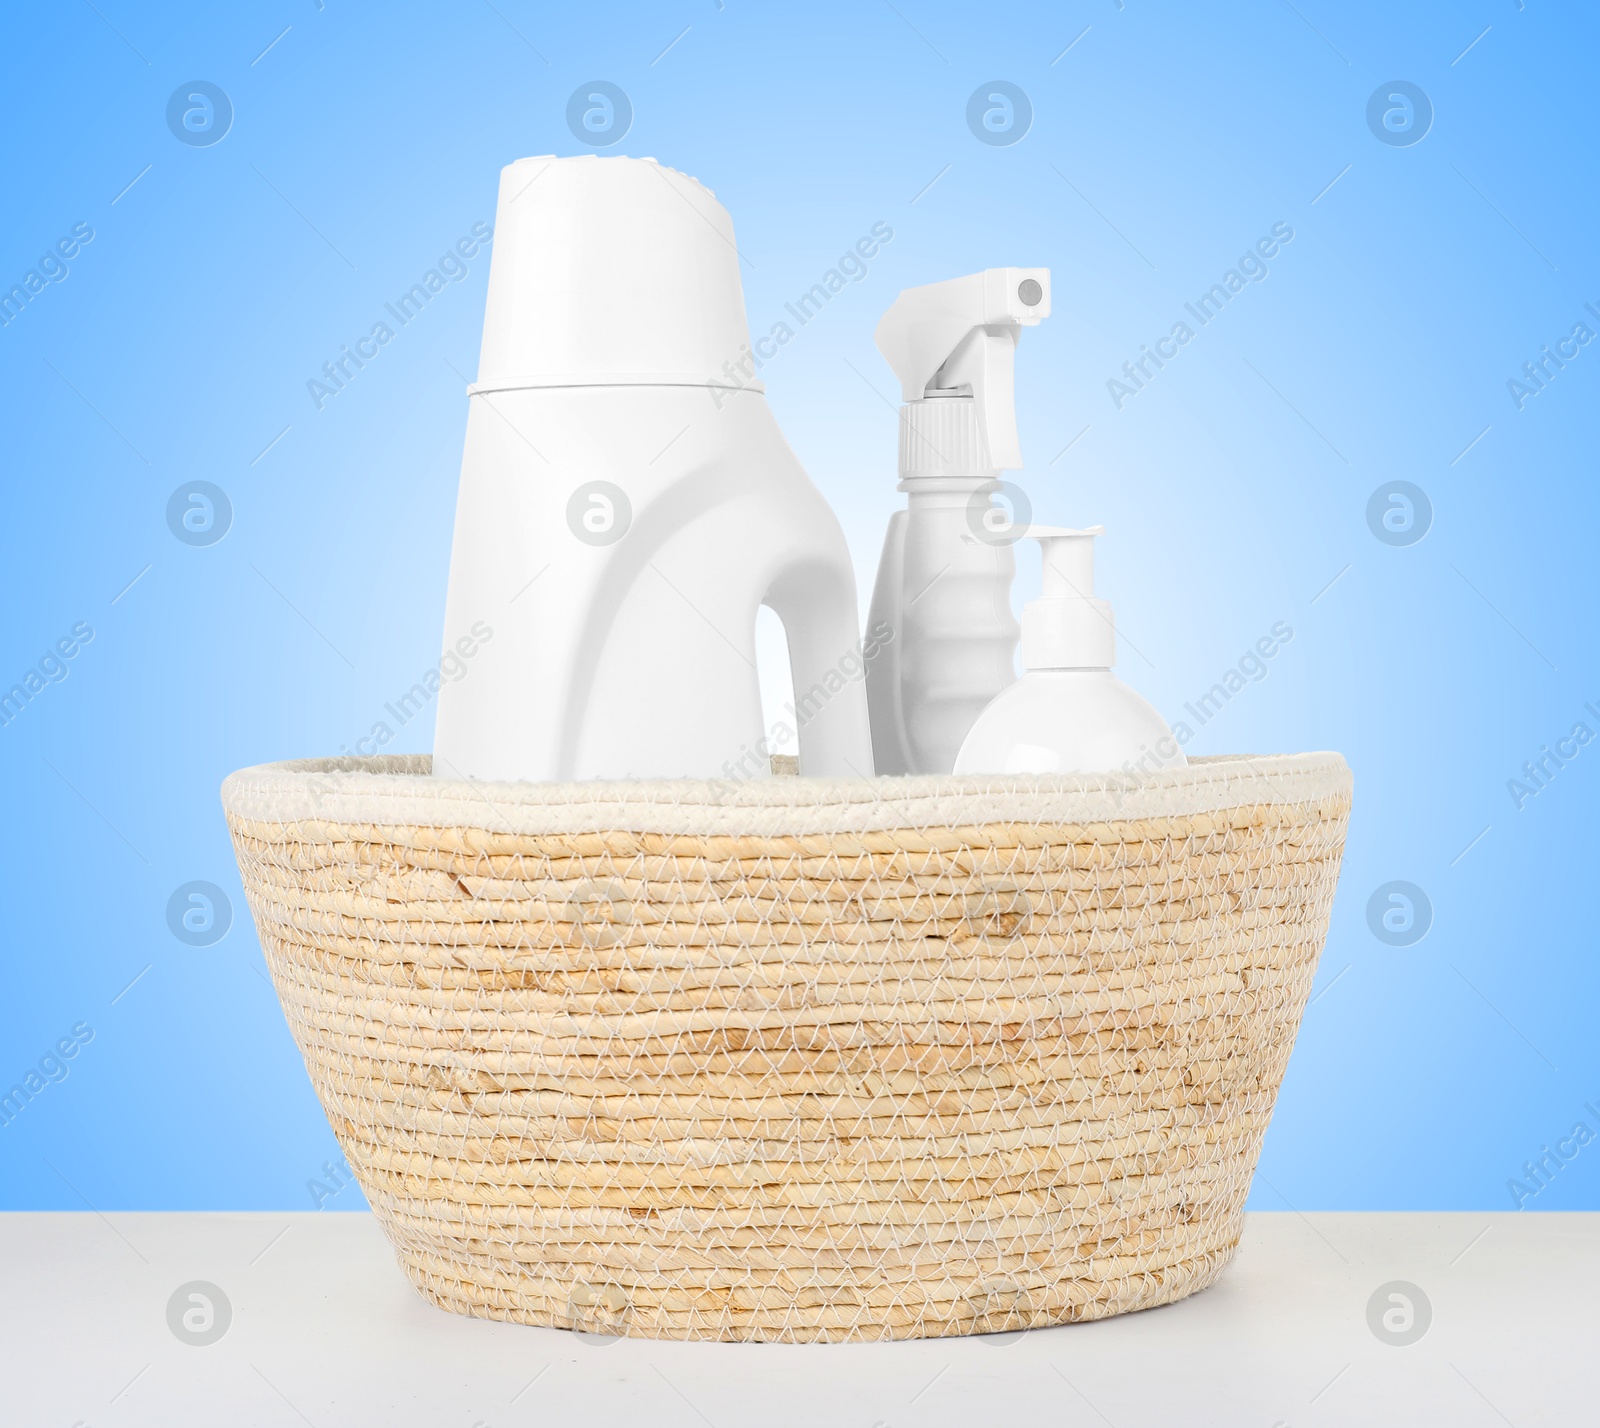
(1069, 713)
(1067, 628)
(958, 339)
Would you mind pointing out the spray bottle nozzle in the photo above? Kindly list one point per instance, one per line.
(959, 339)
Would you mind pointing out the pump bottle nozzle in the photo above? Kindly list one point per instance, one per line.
(1068, 713)
(1066, 627)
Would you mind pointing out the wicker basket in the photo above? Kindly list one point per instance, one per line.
(797, 1059)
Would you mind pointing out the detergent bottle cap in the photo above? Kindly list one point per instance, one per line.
(612, 272)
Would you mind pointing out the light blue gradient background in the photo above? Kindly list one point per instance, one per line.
(1164, 143)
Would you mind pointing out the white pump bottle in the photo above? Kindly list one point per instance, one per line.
(1068, 713)
(943, 591)
(627, 503)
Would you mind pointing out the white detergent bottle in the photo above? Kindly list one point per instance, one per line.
(1068, 713)
(627, 503)
(941, 608)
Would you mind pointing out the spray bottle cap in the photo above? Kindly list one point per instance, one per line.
(959, 339)
(1067, 628)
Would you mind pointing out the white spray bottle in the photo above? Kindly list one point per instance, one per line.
(1068, 713)
(627, 503)
(943, 591)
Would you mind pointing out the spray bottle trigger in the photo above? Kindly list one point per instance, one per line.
(985, 362)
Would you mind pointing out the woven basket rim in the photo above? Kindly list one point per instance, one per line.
(399, 790)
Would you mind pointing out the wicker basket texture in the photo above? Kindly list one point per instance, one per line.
(796, 1060)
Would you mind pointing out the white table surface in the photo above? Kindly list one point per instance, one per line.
(326, 1331)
